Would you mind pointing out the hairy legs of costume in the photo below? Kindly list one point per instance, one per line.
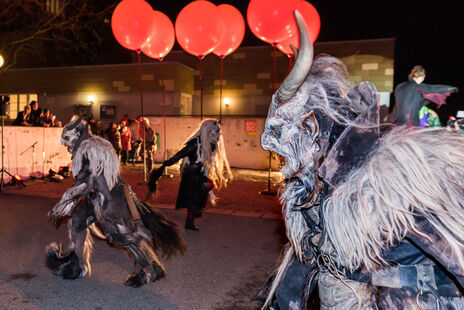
(148, 267)
(190, 221)
(75, 262)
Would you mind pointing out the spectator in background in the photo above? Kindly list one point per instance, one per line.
(98, 129)
(126, 119)
(150, 143)
(58, 124)
(135, 140)
(23, 118)
(125, 142)
(428, 118)
(45, 119)
(411, 95)
(36, 113)
(92, 125)
(114, 137)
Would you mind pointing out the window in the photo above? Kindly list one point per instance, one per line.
(185, 104)
(18, 102)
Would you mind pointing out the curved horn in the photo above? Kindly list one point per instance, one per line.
(302, 64)
(73, 124)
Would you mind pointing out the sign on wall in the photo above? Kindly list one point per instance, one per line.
(250, 127)
(108, 111)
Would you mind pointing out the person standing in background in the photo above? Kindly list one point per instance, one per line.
(413, 94)
(125, 142)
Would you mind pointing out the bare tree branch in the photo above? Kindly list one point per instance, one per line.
(32, 31)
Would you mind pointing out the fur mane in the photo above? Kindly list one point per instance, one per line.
(412, 173)
(216, 162)
(102, 159)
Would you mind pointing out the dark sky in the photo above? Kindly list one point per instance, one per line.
(429, 35)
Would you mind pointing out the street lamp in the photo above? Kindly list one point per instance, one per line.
(91, 99)
(2, 61)
(226, 102)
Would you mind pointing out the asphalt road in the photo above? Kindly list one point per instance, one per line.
(224, 265)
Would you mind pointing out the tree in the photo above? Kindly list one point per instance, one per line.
(52, 32)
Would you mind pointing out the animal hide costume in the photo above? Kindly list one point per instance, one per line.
(373, 215)
(204, 166)
(100, 196)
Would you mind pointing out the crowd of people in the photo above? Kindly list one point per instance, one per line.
(127, 138)
(32, 115)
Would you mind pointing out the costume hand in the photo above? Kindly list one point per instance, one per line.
(154, 176)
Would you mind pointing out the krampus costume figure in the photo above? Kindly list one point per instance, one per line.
(204, 166)
(374, 216)
(100, 196)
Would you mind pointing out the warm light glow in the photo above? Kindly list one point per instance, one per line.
(1, 61)
(91, 98)
(226, 101)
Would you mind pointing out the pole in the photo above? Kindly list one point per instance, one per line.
(2, 181)
(268, 191)
(201, 87)
(163, 98)
(220, 89)
(139, 51)
(43, 154)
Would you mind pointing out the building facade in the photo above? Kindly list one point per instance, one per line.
(185, 85)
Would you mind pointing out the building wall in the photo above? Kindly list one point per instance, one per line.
(243, 148)
(62, 89)
(249, 79)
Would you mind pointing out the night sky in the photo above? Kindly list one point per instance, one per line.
(429, 35)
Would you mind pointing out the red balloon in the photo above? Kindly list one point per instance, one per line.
(162, 40)
(234, 30)
(199, 27)
(313, 26)
(272, 20)
(132, 23)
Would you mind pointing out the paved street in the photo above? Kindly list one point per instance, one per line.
(224, 266)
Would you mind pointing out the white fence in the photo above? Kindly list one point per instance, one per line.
(34, 150)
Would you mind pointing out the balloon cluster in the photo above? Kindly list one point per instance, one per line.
(201, 28)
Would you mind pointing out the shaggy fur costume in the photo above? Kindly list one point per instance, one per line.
(100, 196)
(373, 215)
(204, 166)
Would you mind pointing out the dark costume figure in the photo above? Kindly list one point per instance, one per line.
(100, 196)
(412, 95)
(373, 215)
(204, 166)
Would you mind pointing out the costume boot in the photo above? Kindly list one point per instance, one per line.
(189, 221)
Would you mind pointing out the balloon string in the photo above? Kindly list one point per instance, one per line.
(220, 90)
(164, 109)
(201, 88)
(141, 108)
(274, 67)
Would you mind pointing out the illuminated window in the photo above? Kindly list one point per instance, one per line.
(18, 102)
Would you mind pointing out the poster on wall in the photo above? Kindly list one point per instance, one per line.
(108, 111)
(250, 127)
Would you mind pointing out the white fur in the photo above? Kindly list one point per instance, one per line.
(102, 159)
(413, 172)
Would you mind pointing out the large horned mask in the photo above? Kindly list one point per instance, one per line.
(74, 132)
(289, 126)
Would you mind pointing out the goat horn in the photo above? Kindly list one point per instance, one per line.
(302, 64)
